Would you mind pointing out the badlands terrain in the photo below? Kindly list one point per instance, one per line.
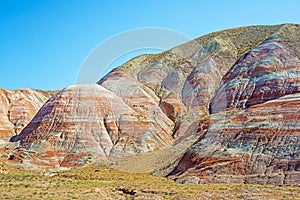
(217, 117)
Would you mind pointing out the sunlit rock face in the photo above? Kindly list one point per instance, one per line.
(17, 108)
(235, 91)
(268, 71)
(87, 122)
(256, 145)
(253, 133)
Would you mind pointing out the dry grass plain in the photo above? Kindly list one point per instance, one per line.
(102, 182)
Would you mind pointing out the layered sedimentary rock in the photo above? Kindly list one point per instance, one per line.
(237, 91)
(253, 134)
(257, 145)
(17, 108)
(269, 71)
(184, 79)
(87, 123)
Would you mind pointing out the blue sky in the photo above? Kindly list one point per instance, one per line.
(44, 42)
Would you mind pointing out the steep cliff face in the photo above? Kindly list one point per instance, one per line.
(17, 108)
(237, 91)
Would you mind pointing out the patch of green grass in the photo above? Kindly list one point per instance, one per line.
(4, 156)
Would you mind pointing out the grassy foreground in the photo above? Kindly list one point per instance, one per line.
(101, 182)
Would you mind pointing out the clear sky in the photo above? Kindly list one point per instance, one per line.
(44, 42)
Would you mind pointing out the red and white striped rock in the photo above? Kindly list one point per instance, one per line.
(267, 72)
(257, 145)
(237, 91)
(253, 133)
(86, 123)
(17, 108)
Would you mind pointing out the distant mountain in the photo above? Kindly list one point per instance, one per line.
(236, 93)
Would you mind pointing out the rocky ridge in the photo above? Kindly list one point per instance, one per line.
(232, 90)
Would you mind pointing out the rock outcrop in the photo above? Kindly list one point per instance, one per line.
(235, 91)
(17, 108)
(256, 145)
(87, 123)
(253, 133)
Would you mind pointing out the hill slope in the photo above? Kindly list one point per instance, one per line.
(210, 89)
(17, 109)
